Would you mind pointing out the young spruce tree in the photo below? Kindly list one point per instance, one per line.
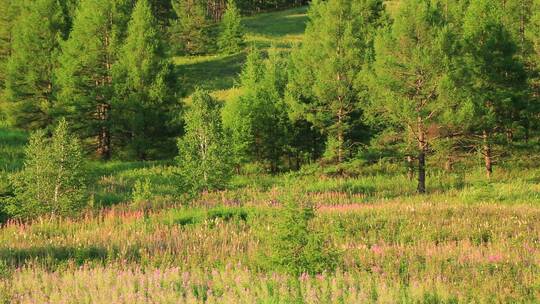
(204, 157)
(231, 38)
(30, 81)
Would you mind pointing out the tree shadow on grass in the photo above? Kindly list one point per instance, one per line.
(212, 73)
(56, 255)
(12, 143)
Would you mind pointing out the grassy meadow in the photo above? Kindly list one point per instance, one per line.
(468, 240)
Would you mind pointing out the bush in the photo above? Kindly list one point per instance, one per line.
(142, 191)
(52, 180)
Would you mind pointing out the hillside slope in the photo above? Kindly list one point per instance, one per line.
(218, 73)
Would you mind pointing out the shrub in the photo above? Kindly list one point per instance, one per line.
(52, 179)
(298, 247)
(142, 191)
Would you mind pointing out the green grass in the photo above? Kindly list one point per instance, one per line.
(113, 182)
(219, 73)
(212, 73)
(281, 29)
(12, 144)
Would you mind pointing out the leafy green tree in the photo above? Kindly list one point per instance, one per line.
(85, 75)
(30, 81)
(52, 180)
(516, 18)
(492, 77)
(258, 118)
(336, 46)
(204, 156)
(231, 38)
(190, 31)
(407, 74)
(144, 80)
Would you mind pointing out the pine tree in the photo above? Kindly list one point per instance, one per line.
(231, 38)
(143, 81)
(30, 83)
(204, 157)
(189, 32)
(297, 246)
(336, 46)
(492, 76)
(85, 75)
(407, 73)
(52, 180)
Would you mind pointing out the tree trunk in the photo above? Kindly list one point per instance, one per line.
(104, 144)
(104, 136)
(340, 146)
(487, 154)
(421, 171)
(421, 158)
(340, 136)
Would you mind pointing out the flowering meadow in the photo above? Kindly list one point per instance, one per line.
(390, 252)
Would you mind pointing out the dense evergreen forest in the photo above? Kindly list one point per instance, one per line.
(213, 120)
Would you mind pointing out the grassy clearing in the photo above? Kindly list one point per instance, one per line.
(281, 29)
